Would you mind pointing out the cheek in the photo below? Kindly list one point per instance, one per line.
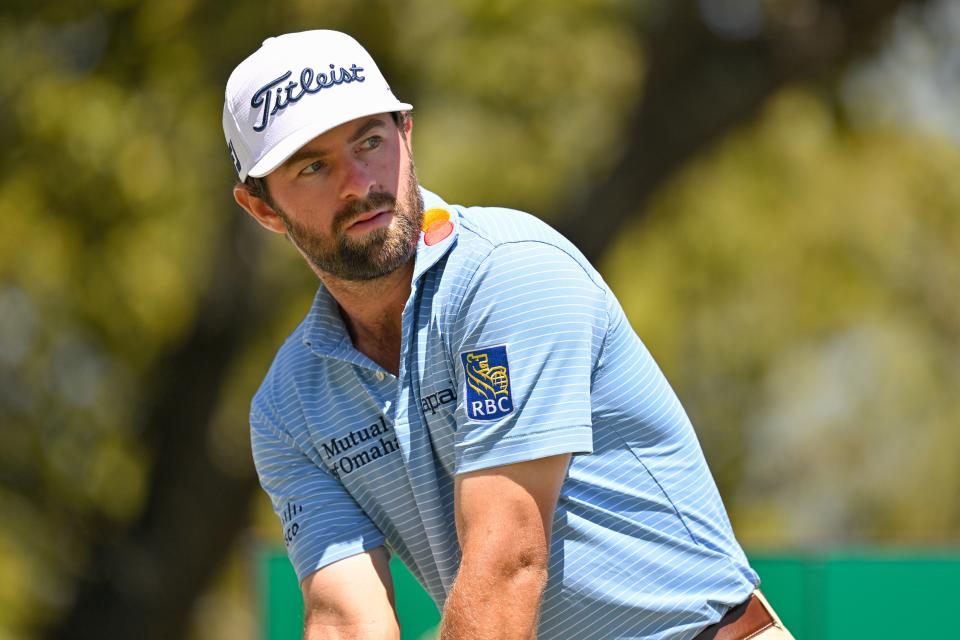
(313, 221)
(392, 167)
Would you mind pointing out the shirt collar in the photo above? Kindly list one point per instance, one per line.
(427, 256)
(324, 332)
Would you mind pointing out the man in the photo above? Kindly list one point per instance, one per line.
(465, 392)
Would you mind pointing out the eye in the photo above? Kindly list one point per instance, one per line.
(371, 143)
(313, 167)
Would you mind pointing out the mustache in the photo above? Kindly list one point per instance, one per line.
(375, 200)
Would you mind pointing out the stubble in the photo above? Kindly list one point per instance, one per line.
(376, 253)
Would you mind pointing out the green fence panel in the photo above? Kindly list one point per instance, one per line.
(891, 597)
(820, 596)
(862, 593)
(418, 615)
(280, 602)
(786, 582)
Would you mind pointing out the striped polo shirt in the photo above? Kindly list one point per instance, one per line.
(513, 348)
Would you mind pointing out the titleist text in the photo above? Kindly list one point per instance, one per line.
(281, 92)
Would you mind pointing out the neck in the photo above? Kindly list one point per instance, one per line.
(372, 311)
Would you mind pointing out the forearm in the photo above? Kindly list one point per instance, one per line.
(490, 602)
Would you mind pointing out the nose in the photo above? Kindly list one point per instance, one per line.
(357, 179)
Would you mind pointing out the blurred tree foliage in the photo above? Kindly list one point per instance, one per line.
(797, 281)
(799, 286)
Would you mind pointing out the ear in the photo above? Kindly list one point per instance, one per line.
(258, 209)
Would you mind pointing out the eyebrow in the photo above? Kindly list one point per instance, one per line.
(370, 124)
(304, 154)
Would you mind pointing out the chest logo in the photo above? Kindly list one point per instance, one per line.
(359, 448)
(436, 226)
(487, 375)
(434, 401)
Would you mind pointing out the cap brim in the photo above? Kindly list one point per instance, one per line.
(289, 145)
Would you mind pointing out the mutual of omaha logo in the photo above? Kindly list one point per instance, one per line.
(487, 375)
(359, 448)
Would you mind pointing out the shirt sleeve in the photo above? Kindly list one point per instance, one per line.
(321, 521)
(525, 340)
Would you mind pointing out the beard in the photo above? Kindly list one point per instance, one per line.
(375, 254)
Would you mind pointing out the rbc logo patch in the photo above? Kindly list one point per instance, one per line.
(487, 375)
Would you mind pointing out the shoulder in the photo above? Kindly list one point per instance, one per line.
(501, 225)
(510, 269)
(500, 238)
(274, 400)
(487, 232)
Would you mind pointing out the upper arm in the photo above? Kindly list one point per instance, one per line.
(320, 521)
(351, 598)
(505, 514)
(525, 340)
(333, 545)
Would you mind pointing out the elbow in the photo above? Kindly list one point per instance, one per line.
(530, 562)
(511, 563)
(323, 624)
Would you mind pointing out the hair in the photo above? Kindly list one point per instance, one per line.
(257, 187)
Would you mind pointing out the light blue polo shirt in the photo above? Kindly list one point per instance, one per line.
(513, 349)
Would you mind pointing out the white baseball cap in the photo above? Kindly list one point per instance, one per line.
(292, 89)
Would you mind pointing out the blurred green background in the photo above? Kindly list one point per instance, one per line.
(770, 186)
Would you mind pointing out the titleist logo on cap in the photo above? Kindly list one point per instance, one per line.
(265, 116)
(272, 97)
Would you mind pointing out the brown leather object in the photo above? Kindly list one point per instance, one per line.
(742, 622)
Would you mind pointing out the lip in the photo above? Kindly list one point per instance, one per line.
(371, 220)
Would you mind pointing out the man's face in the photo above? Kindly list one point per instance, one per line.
(349, 199)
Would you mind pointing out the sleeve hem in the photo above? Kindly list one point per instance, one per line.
(575, 439)
(336, 555)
